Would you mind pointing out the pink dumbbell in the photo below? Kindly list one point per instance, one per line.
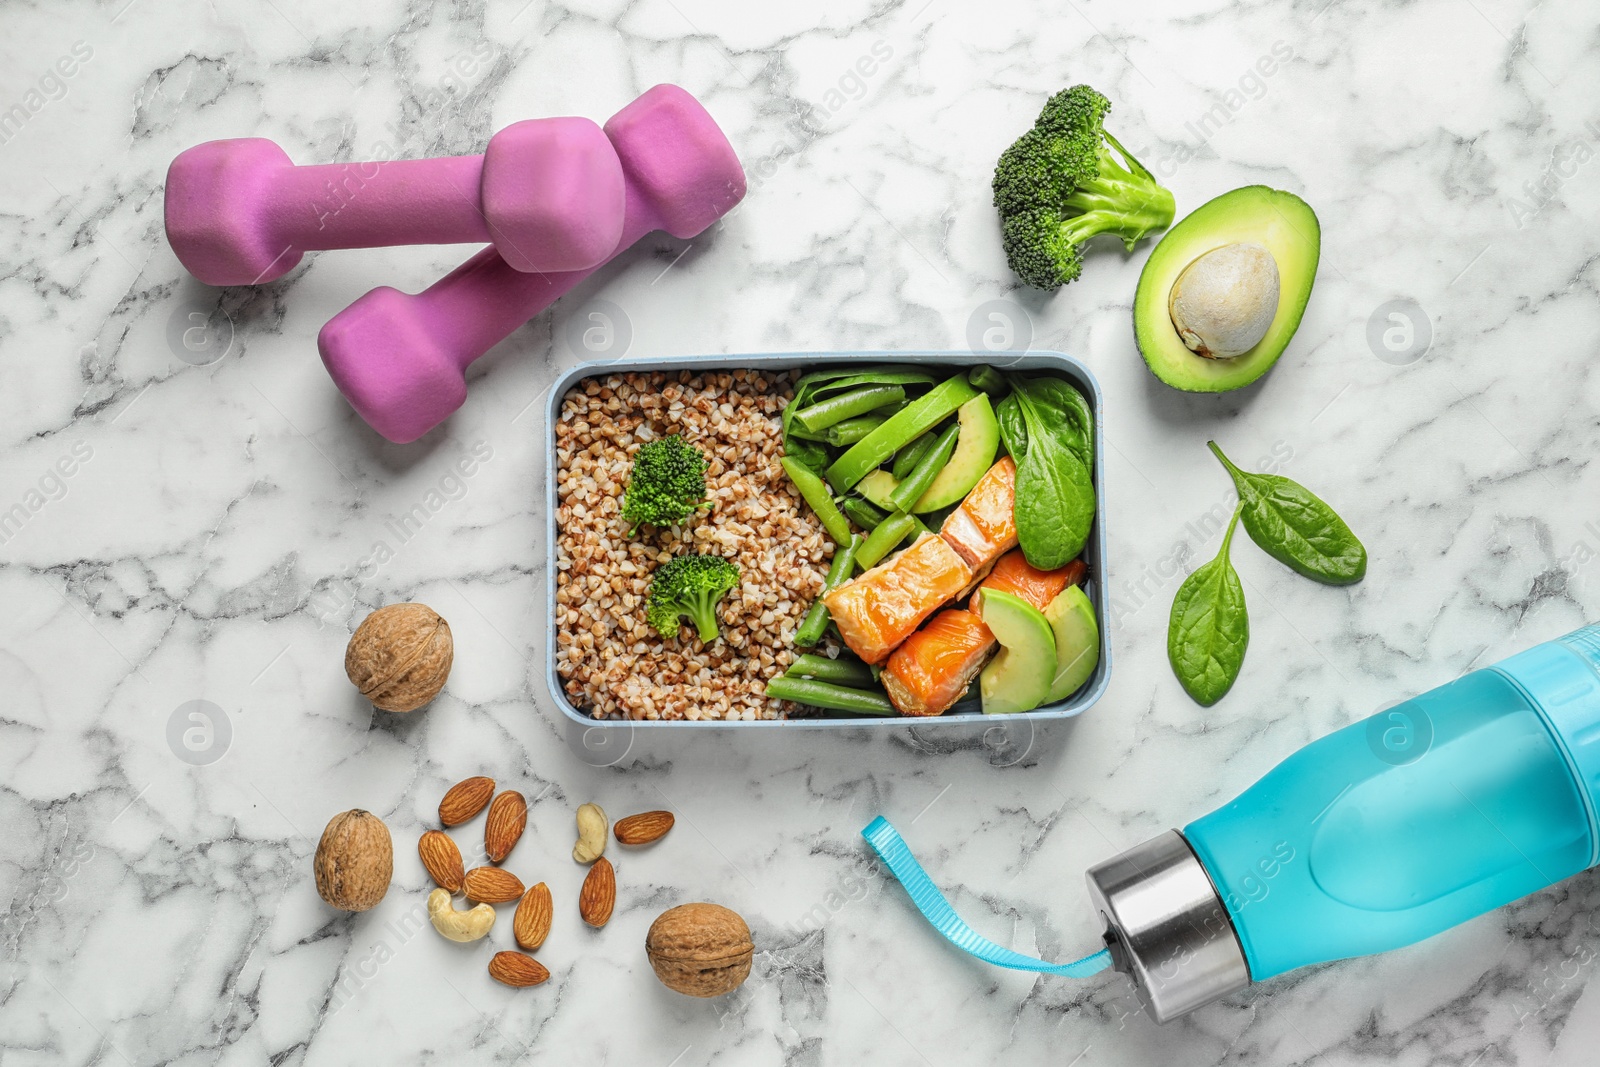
(547, 192)
(401, 360)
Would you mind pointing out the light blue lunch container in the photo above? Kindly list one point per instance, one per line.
(1378, 835)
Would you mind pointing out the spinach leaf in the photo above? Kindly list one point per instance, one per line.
(1054, 495)
(1294, 526)
(1066, 410)
(1013, 430)
(1209, 628)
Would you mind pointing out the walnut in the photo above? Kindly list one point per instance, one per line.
(354, 861)
(700, 950)
(400, 655)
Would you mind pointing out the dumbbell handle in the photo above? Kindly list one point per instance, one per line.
(369, 205)
(480, 303)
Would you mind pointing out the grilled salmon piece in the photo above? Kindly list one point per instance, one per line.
(984, 527)
(879, 609)
(1014, 574)
(933, 667)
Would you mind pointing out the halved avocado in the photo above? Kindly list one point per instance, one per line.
(1282, 223)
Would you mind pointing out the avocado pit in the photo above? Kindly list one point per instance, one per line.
(1224, 301)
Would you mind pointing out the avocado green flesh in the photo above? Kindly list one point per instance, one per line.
(974, 455)
(1019, 676)
(877, 487)
(1280, 221)
(1071, 617)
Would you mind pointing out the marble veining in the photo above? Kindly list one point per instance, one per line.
(189, 511)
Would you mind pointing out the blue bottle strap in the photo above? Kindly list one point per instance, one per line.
(891, 847)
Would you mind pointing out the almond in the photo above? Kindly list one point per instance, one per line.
(508, 817)
(464, 800)
(442, 860)
(643, 828)
(599, 893)
(492, 885)
(531, 924)
(515, 969)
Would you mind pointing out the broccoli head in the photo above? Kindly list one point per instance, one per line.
(689, 586)
(668, 483)
(1066, 180)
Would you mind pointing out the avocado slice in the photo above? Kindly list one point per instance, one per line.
(1282, 223)
(974, 455)
(1071, 617)
(877, 487)
(1019, 676)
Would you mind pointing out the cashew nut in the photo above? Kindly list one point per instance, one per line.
(457, 925)
(592, 827)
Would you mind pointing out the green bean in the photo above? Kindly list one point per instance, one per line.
(846, 670)
(988, 379)
(893, 530)
(815, 493)
(905, 460)
(836, 409)
(848, 432)
(899, 430)
(863, 513)
(832, 697)
(909, 491)
(816, 620)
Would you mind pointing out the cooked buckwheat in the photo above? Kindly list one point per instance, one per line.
(612, 663)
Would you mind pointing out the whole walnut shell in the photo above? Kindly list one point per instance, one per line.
(700, 950)
(354, 861)
(400, 655)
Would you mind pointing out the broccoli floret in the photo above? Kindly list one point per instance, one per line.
(691, 586)
(668, 484)
(1060, 184)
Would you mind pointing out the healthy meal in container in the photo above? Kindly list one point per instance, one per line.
(857, 540)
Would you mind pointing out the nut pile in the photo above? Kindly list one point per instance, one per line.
(493, 884)
(612, 663)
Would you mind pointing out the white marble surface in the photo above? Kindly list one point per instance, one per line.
(158, 911)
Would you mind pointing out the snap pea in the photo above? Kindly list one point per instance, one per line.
(832, 697)
(988, 379)
(816, 620)
(905, 426)
(906, 459)
(814, 491)
(800, 433)
(848, 432)
(863, 513)
(1295, 527)
(909, 491)
(880, 542)
(1209, 628)
(836, 409)
(846, 670)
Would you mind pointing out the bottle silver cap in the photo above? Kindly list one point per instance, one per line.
(1166, 927)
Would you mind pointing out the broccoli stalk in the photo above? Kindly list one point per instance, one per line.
(689, 586)
(667, 486)
(1067, 180)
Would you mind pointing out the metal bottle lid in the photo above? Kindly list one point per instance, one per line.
(1166, 927)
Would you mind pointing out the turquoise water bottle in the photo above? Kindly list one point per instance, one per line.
(1378, 835)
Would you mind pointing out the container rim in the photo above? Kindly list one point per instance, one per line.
(1029, 360)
